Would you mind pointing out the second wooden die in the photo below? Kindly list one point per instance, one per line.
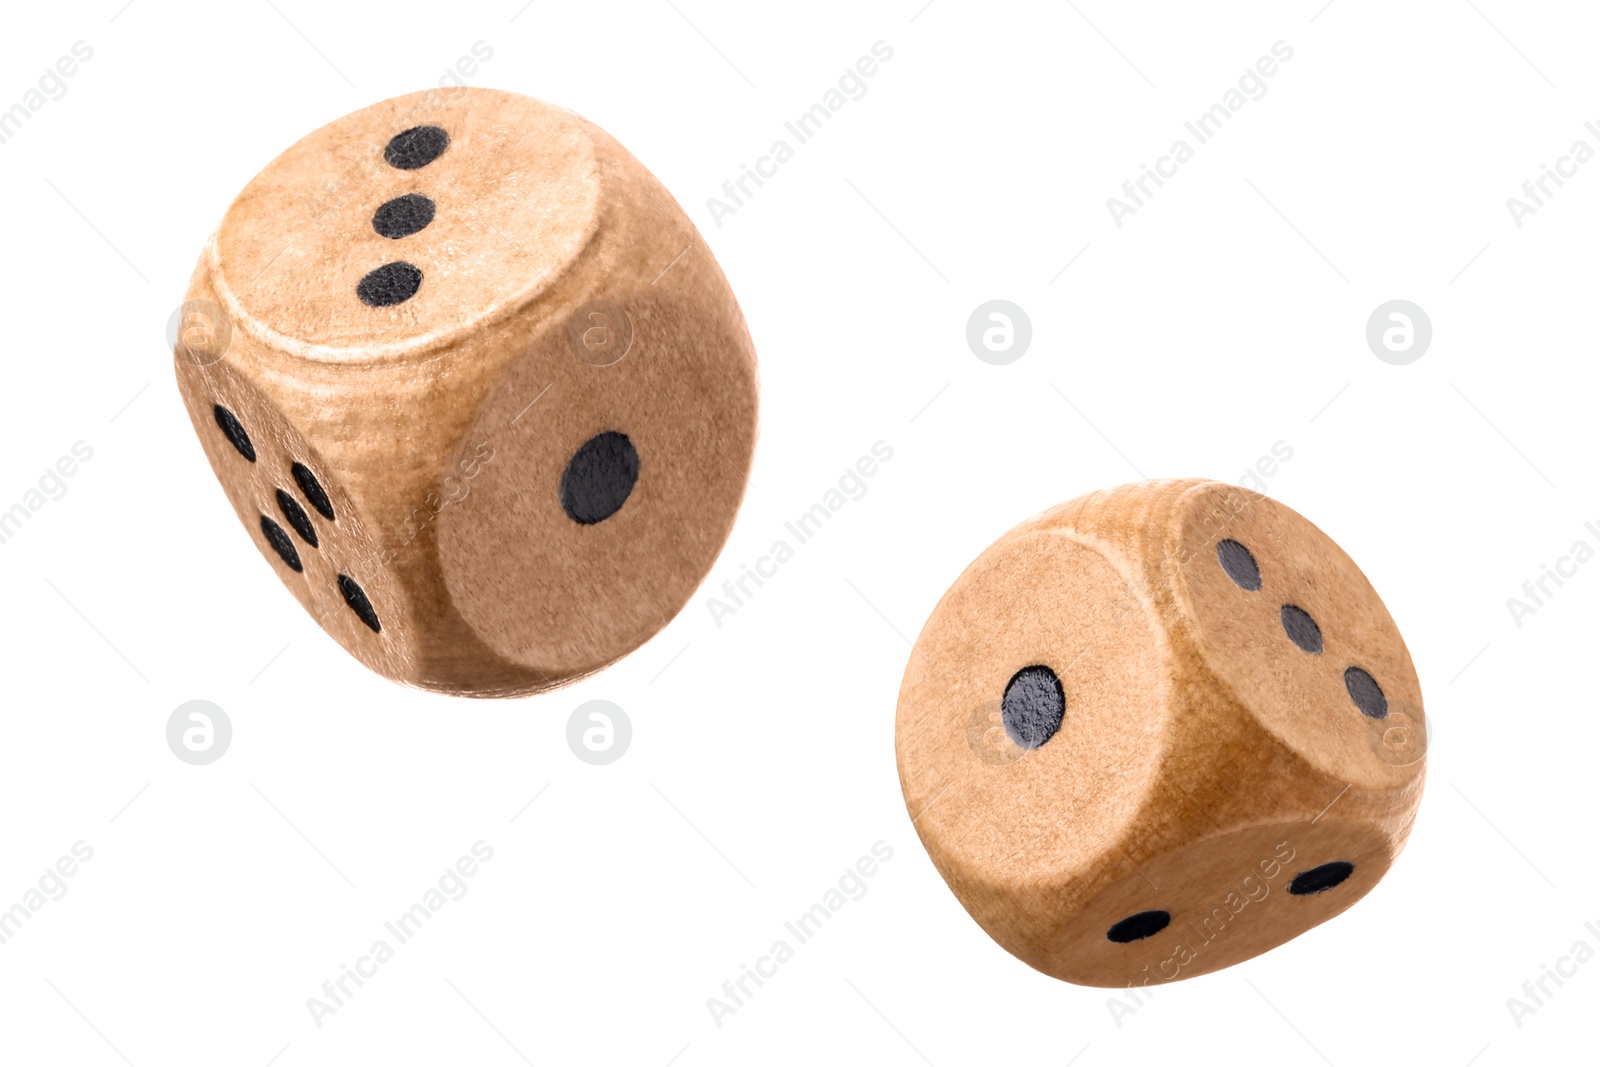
(1159, 730)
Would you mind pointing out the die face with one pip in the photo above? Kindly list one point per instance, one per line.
(1159, 730)
(475, 386)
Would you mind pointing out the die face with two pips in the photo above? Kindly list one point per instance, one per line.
(1159, 730)
(480, 393)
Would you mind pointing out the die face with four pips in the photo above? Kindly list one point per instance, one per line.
(1159, 730)
(475, 386)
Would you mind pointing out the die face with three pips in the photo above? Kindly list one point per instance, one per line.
(475, 386)
(1159, 730)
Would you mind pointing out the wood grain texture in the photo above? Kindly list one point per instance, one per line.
(1205, 760)
(564, 294)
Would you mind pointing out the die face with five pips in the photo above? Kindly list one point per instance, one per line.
(475, 386)
(1159, 730)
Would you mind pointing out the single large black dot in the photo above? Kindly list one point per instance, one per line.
(1240, 564)
(1302, 629)
(1138, 927)
(392, 283)
(297, 518)
(1365, 691)
(599, 478)
(1032, 706)
(403, 216)
(416, 147)
(281, 544)
(1320, 879)
(234, 432)
(356, 597)
(313, 490)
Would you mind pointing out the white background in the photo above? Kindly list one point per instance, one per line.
(1224, 317)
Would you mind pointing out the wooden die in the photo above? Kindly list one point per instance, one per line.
(1159, 730)
(475, 386)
